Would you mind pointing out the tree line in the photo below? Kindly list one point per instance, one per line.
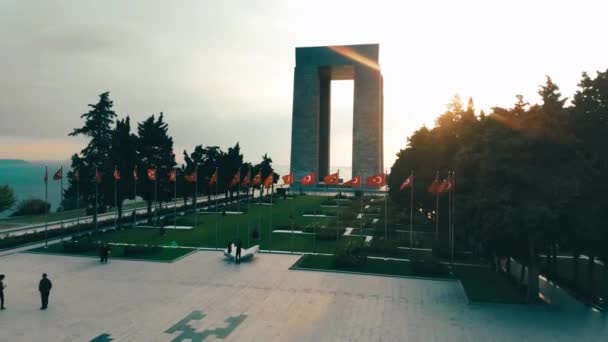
(113, 147)
(530, 180)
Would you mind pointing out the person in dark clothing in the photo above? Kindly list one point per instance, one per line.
(237, 256)
(229, 247)
(45, 290)
(101, 252)
(2, 287)
(106, 253)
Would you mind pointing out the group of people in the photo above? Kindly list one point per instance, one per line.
(238, 246)
(44, 287)
(104, 251)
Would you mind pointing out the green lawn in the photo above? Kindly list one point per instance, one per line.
(118, 252)
(375, 266)
(481, 284)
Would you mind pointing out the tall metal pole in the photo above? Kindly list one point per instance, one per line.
(46, 207)
(385, 210)
(135, 195)
(156, 201)
(77, 200)
(238, 205)
(271, 195)
(175, 199)
(338, 209)
(96, 203)
(217, 218)
(61, 201)
(260, 217)
(291, 216)
(437, 216)
(115, 199)
(195, 196)
(411, 209)
(451, 213)
(362, 193)
(314, 209)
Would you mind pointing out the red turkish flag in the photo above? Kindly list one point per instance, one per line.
(191, 177)
(269, 179)
(59, 174)
(376, 180)
(247, 178)
(98, 176)
(213, 179)
(116, 174)
(356, 181)
(333, 178)
(236, 179)
(308, 179)
(288, 179)
(257, 180)
(447, 185)
(434, 187)
(409, 181)
(152, 174)
(135, 176)
(172, 175)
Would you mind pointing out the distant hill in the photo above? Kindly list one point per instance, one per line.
(13, 162)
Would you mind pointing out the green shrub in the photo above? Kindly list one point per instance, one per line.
(429, 268)
(31, 207)
(350, 254)
(383, 247)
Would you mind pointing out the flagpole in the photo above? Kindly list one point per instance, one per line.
(248, 206)
(291, 175)
(96, 205)
(77, 199)
(115, 198)
(46, 207)
(259, 216)
(195, 196)
(362, 193)
(271, 195)
(411, 209)
(175, 198)
(216, 209)
(135, 195)
(238, 205)
(385, 208)
(337, 210)
(156, 201)
(437, 210)
(314, 211)
(451, 213)
(61, 202)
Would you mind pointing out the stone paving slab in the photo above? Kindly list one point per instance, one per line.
(205, 298)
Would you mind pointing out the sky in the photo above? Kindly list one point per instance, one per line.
(222, 71)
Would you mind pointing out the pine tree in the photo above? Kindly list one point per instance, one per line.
(155, 150)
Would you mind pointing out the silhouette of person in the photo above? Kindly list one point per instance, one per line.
(44, 287)
(101, 252)
(106, 252)
(237, 257)
(2, 287)
(229, 247)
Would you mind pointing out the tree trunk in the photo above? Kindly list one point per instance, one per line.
(149, 211)
(590, 276)
(575, 269)
(119, 209)
(532, 274)
(522, 273)
(554, 263)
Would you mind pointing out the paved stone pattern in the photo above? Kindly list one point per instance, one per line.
(260, 301)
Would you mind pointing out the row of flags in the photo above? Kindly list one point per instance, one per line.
(378, 180)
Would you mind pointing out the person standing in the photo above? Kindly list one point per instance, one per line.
(45, 290)
(2, 287)
(237, 256)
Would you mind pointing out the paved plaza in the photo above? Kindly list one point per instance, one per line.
(203, 298)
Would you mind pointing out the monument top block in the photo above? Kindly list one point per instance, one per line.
(337, 55)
